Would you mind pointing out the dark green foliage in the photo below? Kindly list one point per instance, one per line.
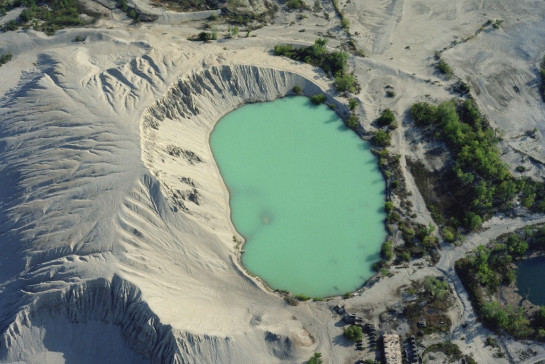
(332, 63)
(352, 122)
(302, 297)
(10, 25)
(353, 333)
(438, 288)
(424, 113)
(352, 103)
(205, 37)
(445, 69)
(486, 268)
(295, 4)
(387, 251)
(389, 206)
(318, 99)
(5, 58)
(79, 38)
(448, 348)
(297, 89)
(345, 82)
(52, 14)
(386, 118)
(390, 93)
(315, 359)
(482, 181)
(381, 138)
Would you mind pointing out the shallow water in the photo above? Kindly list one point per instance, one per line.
(305, 192)
(530, 280)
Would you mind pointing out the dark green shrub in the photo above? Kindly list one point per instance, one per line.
(445, 69)
(345, 82)
(353, 333)
(318, 99)
(297, 90)
(316, 359)
(381, 138)
(352, 122)
(387, 250)
(352, 103)
(386, 118)
(5, 58)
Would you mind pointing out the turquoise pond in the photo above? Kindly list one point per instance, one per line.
(305, 192)
(531, 280)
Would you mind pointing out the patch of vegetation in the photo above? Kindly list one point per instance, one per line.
(5, 58)
(297, 90)
(386, 118)
(451, 350)
(302, 297)
(318, 99)
(205, 36)
(382, 138)
(315, 359)
(428, 313)
(352, 104)
(387, 251)
(478, 182)
(345, 82)
(353, 333)
(296, 4)
(542, 73)
(333, 63)
(390, 93)
(486, 269)
(445, 69)
(352, 122)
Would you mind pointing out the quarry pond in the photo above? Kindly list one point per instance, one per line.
(305, 192)
(530, 280)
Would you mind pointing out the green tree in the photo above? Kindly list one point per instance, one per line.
(387, 250)
(386, 118)
(316, 359)
(353, 333)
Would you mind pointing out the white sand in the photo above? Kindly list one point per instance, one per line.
(92, 245)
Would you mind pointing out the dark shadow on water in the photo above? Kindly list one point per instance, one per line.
(373, 257)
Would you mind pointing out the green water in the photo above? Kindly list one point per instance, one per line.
(305, 192)
(530, 280)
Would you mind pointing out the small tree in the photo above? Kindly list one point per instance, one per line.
(316, 359)
(382, 138)
(318, 99)
(353, 333)
(386, 118)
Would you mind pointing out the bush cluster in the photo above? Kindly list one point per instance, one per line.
(483, 183)
(485, 269)
(333, 63)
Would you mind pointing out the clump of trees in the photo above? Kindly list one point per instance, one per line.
(486, 269)
(333, 63)
(481, 181)
(5, 58)
(315, 359)
(318, 99)
(353, 333)
(386, 118)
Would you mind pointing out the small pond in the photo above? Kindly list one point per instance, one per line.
(305, 192)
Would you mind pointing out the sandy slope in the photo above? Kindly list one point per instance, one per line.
(114, 218)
